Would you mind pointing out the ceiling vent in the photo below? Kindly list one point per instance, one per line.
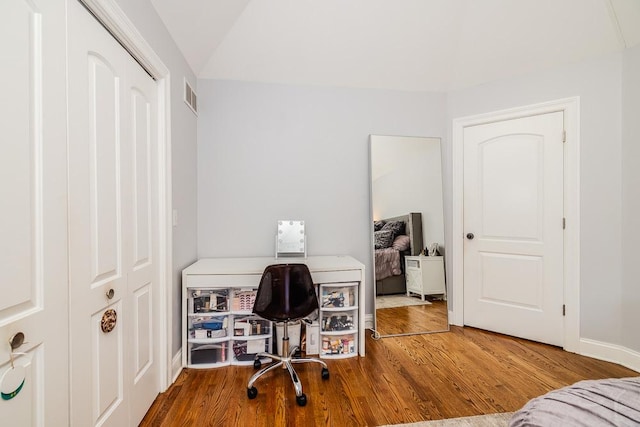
(190, 97)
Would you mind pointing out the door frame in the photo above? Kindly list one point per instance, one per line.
(111, 16)
(571, 109)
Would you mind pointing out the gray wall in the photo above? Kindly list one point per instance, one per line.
(269, 152)
(183, 147)
(630, 301)
(598, 83)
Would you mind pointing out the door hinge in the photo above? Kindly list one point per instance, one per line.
(564, 136)
(564, 223)
(564, 309)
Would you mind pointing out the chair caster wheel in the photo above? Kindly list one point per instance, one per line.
(325, 374)
(302, 399)
(252, 392)
(257, 364)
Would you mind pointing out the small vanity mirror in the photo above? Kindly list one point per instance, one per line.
(408, 235)
(291, 239)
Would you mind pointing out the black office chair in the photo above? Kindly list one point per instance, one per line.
(286, 293)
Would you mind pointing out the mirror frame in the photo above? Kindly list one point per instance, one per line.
(376, 334)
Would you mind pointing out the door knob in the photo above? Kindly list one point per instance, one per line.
(110, 293)
(16, 340)
(470, 236)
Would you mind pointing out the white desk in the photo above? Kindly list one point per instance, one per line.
(329, 273)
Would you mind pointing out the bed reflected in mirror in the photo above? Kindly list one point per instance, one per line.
(408, 235)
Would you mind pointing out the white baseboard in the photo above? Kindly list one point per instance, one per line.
(176, 365)
(368, 321)
(610, 353)
(597, 349)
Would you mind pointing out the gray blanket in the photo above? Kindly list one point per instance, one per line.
(387, 263)
(591, 403)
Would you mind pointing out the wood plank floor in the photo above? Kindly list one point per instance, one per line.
(402, 379)
(412, 318)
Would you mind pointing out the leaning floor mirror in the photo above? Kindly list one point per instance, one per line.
(407, 235)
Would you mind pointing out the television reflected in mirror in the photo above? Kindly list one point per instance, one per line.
(407, 224)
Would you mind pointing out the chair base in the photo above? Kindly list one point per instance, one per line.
(287, 363)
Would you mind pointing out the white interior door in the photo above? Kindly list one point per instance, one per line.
(513, 222)
(33, 230)
(114, 233)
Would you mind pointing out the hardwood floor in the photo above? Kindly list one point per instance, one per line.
(412, 318)
(402, 379)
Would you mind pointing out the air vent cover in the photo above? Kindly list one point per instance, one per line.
(190, 97)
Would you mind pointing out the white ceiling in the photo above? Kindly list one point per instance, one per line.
(423, 45)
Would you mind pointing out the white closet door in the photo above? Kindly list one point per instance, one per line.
(142, 265)
(33, 230)
(113, 233)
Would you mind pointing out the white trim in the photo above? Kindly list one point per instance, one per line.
(176, 365)
(165, 225)
(109, 13)
(369, 323)
(610, 353)
(622, 43)
(571, 109)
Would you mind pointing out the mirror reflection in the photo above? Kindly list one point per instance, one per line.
(408, 235)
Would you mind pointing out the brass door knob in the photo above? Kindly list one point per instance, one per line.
(16, 340)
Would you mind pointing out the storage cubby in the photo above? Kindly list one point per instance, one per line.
(209, 326)
(245, 350)
(209, 354)
(250, 326)
(243, 300)
(208, 300)
(221, 329)
(338, 319)
(338, 345)
(338, 296)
